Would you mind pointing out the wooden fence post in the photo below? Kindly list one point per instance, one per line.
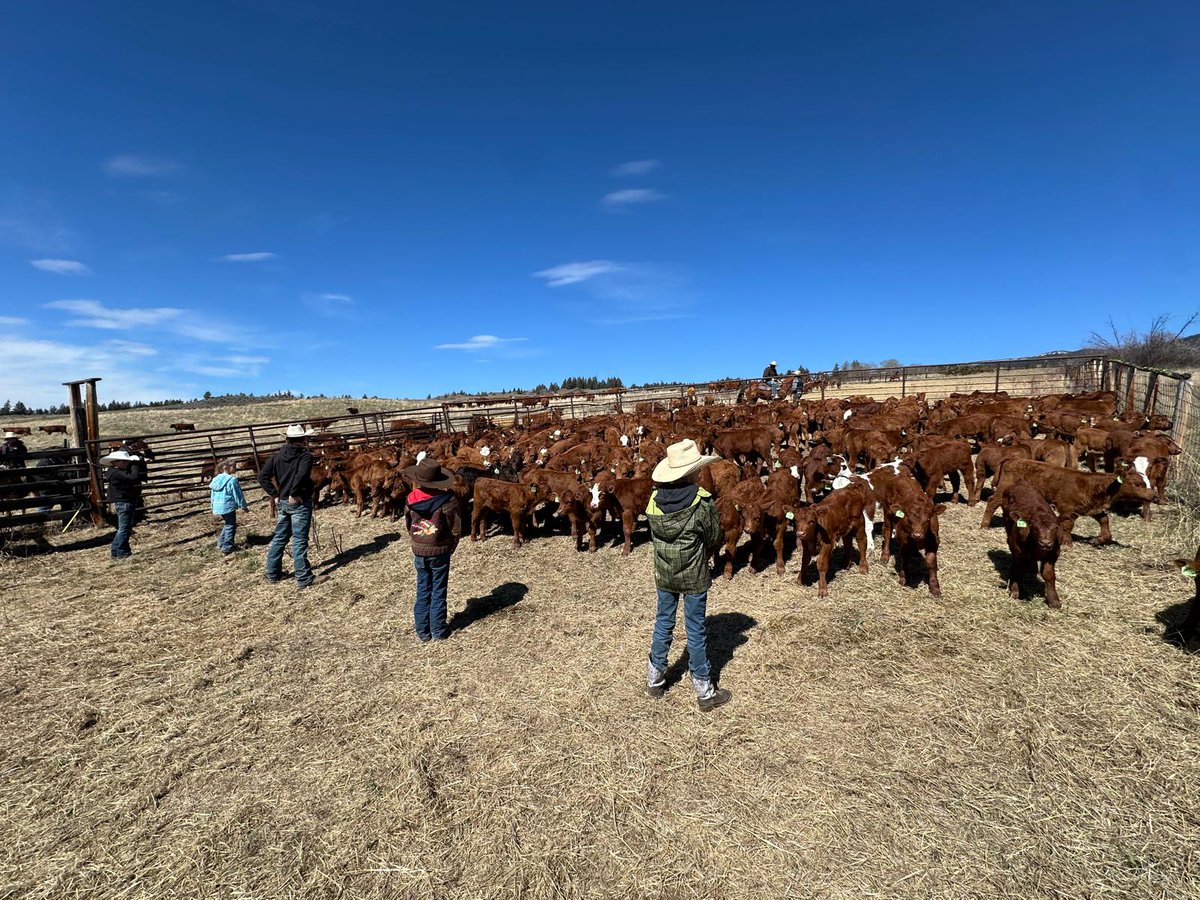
(904, 382)
(996, 389)
(1151, 394)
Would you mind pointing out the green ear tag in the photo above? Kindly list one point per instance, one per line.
(790, 514)
(1120, 479)
(829, 460)
(533, 489)
(1189, 571)
(778, 465)
(1021, 523)
(899, 514)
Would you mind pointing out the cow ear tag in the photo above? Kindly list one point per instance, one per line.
(778, 465)
(1021, 523)
(533, 489)
(899, 514)
(790, 514)
(1120, 479)
(829, 460)
(1189, 571)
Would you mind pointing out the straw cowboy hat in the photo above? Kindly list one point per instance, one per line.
(119, 456)
(9, 434)
(682, 459)
(429, 473)
(297, 431)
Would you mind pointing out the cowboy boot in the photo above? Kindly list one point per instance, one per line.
(656, 681)
(708, 695)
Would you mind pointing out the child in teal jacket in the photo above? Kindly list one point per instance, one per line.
(227, 498)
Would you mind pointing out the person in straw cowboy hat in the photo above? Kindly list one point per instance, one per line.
(685, 528)
(433, 521)
(287, 476)
(13, 451)
(124, 492)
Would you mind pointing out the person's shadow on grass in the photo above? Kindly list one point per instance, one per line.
(501, 597)
(726, 632)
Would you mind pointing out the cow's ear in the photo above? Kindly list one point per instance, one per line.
(939, 509)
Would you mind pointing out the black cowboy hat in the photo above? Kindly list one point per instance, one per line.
(429, 473)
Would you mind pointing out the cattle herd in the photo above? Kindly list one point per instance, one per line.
(826, 471)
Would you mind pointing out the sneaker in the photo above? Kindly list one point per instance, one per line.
(656, 681)
(719, 697)
(656, 691)
(317, 579)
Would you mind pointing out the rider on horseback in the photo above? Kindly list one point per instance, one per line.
(770, 378)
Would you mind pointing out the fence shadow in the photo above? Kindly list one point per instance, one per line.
(501, 597)
(373, 546)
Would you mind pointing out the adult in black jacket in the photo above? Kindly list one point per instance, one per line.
(124, 492)
(770, 376)
(287, 476)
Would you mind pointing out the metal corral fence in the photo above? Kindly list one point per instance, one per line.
(54, 485)
(183, 462)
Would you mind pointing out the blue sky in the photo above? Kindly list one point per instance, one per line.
(397, 199)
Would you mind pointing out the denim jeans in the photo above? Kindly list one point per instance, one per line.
(120, 544)
(292, 522)
(429, 609)
(694, 607)
(228, 530)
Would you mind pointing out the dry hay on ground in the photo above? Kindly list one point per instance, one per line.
(176, 727)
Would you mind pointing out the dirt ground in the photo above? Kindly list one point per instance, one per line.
(174, 726)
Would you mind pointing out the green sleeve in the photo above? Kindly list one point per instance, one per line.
(710, 522)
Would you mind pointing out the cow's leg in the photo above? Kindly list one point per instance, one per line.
(515, 516)
(359, 499)
(730, 550)
(935, 587)
(1146, 510)
(887, 539)
(990, 508)
(901, 559)
(1065, 529)
(1105, 536)
(627, 523)
(591, 530)
(955, 484)
(969, 479)
(861, 534)
(823, 568)
(1014, 575)
(1052, 599)
(780, 531)
(980, 478)
(805, 557)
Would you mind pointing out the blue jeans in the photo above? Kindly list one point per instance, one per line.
(694, 608)
(292, 522)
(429, 609)
(225, 539)
(120, 544)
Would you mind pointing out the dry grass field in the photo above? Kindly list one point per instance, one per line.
(176, 727)
(157, 420)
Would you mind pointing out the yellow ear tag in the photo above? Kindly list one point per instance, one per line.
(1189, 572)
(791, 515)
(533, 489)
(899, 514)
(1021, 523)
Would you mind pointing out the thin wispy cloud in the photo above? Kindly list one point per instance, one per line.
(133, 348)
(13, 321)
(575, 272)
(165, 198)
(633, 320)
(260, 256)
(481, 342)
(631, 197)
(61, 266)
(636, 167)
(329, 304)
(181, 323)
(225, 366)
(93, 314)
(630, 292)
(30, 220)
(132, 165)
